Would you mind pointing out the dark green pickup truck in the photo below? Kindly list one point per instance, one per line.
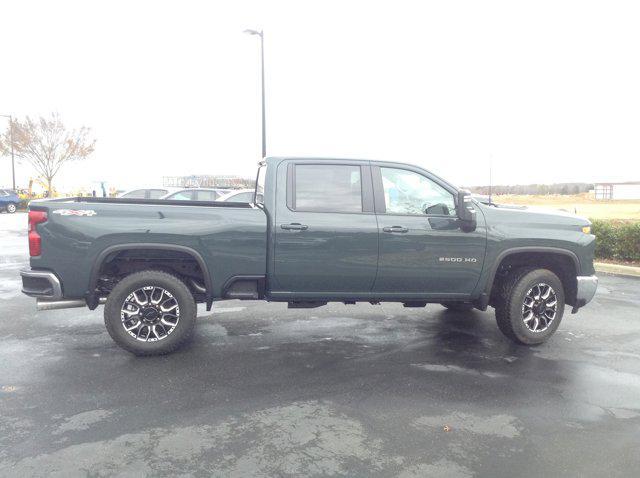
(318, 230)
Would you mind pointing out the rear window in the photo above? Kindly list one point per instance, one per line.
(241, 197)
(327, 188)
(157, 193)
(207, 195)
(137, 194)
(182, 196)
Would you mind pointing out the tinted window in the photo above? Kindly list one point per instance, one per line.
(157, 193)
(406, 192)
(334, 188)
(207, 195)
(241, 197)
(137, 194)
(182, 196)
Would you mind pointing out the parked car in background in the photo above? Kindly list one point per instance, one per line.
(146, 193)
(9, 200)
(240, 195)
(197, 194)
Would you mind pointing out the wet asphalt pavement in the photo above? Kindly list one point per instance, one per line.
(340, 390)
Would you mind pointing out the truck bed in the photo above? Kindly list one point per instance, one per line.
(82, 234)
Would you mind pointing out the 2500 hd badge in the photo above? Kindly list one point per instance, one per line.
(457, 259)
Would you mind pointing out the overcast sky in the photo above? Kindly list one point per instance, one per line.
(549, 90)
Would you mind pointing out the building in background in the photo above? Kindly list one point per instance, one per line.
(628, 190)
(208, 181)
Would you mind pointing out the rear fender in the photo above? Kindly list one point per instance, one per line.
(92, 301)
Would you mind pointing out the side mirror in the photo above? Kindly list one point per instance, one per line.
(465, 211)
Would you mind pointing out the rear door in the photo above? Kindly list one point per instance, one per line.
(422, 248)
(326, 233)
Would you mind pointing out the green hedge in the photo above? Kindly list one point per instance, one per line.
(617, 240)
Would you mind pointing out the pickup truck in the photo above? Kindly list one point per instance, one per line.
(317, 230)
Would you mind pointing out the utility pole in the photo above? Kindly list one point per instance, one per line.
(264, 127)
(13, 161)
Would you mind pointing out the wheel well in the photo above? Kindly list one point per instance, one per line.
(560, 264)
(119, 264)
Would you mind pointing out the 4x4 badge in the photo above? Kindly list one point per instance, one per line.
(75, 212)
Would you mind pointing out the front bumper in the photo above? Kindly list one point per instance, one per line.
(587, 286)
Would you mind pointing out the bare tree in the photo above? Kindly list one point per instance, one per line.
(47, 145)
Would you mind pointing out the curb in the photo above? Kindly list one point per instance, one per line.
(617, 269)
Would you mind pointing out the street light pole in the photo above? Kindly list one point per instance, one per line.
(13, 162)
(264, 126)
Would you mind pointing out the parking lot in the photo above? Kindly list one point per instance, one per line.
(355, 390)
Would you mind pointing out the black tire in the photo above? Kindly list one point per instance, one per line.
(510, 314)
(11, 208)
(175, 338)
(457, 306)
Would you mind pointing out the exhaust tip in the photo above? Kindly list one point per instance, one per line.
(44, 304)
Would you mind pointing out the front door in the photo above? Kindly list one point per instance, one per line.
(422, 248)
(326, 233)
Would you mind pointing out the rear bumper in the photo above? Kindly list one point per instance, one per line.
(47, 289)
(41, 284)
(587, 286)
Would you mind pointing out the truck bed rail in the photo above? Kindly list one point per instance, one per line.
(159, 202)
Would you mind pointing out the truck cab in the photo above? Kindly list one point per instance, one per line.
(360, 230)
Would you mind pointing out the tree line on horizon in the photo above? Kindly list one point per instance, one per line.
(534, 189)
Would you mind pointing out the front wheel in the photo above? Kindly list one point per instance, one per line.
(11, 208)
(530, 306)
(150, 313)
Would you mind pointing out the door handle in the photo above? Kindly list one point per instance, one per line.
(400, 229)
(294, 226)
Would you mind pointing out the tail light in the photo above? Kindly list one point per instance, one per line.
(35, 241)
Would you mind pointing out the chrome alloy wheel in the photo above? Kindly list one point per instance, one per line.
(150, 314)
(539, 307)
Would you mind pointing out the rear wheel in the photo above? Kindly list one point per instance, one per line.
(11, 208)
(150, 313)
(530, 306)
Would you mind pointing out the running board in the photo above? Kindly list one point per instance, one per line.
(44, 304)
